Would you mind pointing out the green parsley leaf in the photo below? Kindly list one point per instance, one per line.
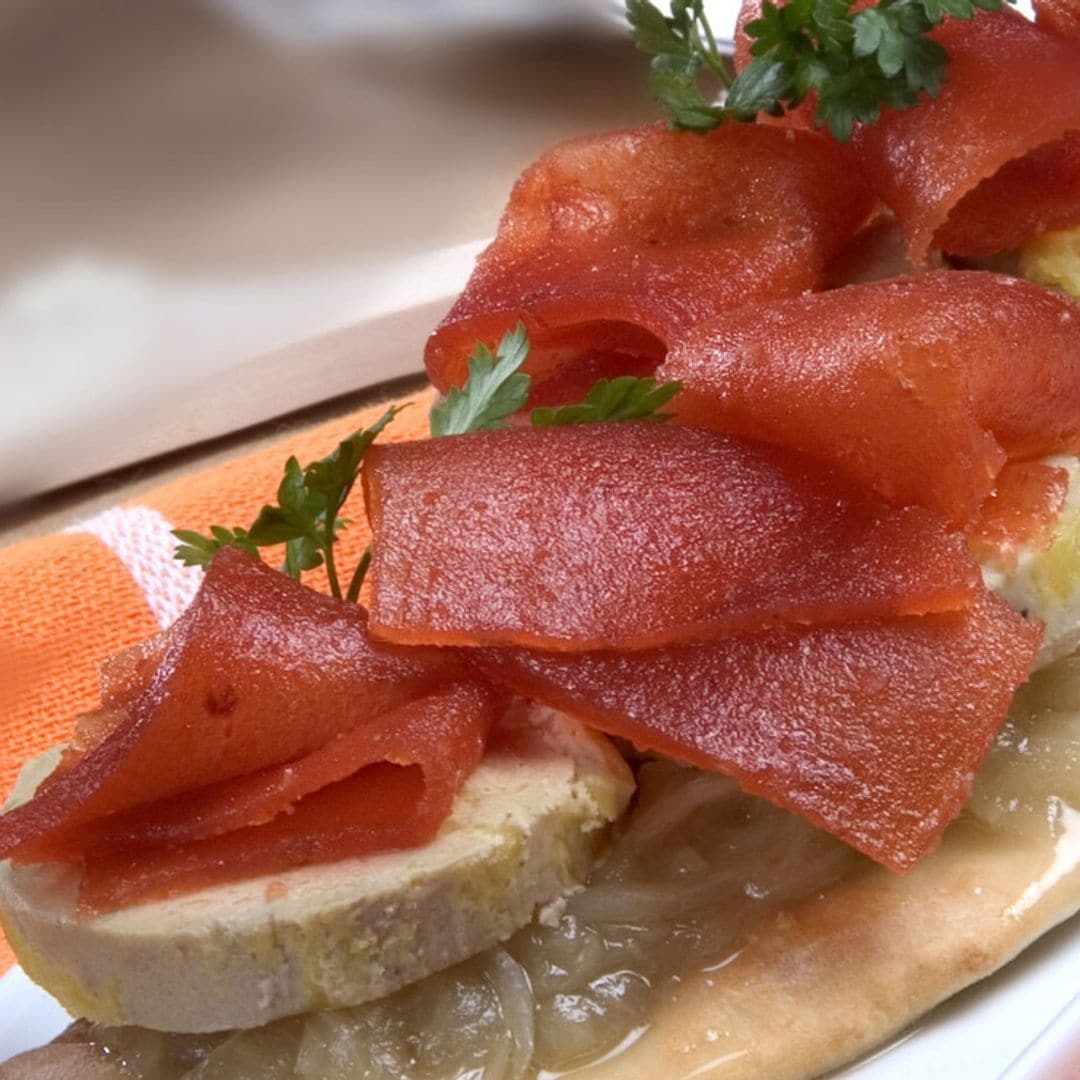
(305, 518)
(622, 398)
(759, 89)
(683, 49)
(832, 23)
(495, 389)
(856, 62)
(652, 32)
(301, 554)
(673, 82)
(195, 549)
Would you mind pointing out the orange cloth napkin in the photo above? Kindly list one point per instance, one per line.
(69, 601)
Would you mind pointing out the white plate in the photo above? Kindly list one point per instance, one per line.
(1008, 1027)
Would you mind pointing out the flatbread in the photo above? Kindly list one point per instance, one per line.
(851, 968)
(844, 971)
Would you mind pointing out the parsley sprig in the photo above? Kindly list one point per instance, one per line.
(856, 62)
(622, 398)
(497, 388)
(684, 50)
(306, 518)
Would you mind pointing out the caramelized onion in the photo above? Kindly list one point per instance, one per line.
(698, 863)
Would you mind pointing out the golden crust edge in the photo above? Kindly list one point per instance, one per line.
(847, 970)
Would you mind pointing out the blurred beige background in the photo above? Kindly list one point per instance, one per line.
(166, 132)
(183, 192)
